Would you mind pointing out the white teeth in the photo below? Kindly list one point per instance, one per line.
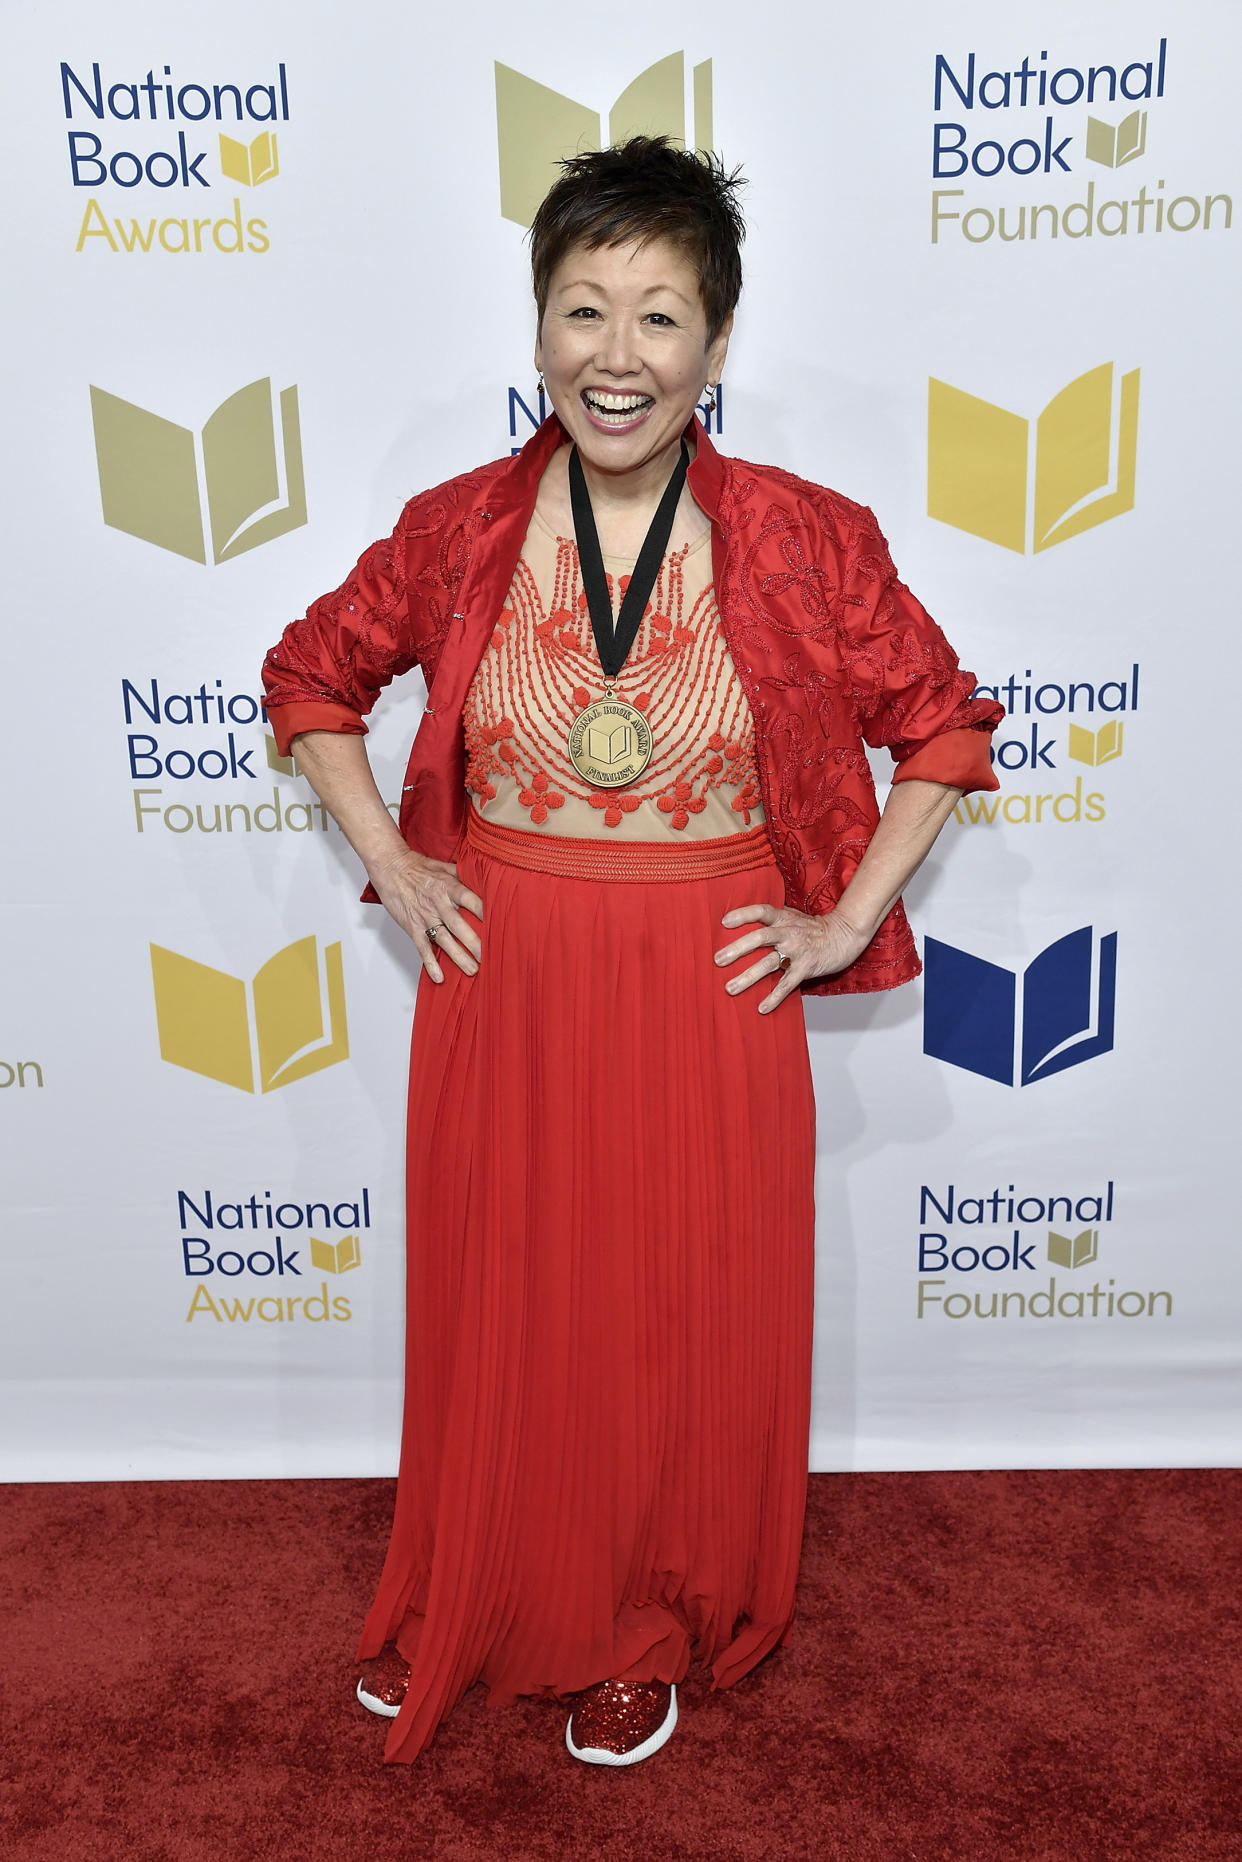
(602, 403)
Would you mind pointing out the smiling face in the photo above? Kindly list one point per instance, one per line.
(624, 353)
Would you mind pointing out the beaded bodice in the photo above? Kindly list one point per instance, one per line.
(541, 667)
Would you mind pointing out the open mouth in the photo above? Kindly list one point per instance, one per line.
(616, 410)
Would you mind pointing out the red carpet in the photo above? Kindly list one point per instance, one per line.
(1029, 1665)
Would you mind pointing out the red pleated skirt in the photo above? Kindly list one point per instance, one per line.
(609, 1288)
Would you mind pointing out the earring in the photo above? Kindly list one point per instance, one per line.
(540, 389)
(711, 396)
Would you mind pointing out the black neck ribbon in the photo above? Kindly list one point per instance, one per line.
(614, 641)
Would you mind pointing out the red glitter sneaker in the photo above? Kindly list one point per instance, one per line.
(384, 1681)
(621, 1722)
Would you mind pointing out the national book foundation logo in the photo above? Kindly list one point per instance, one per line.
(536, 126)
(238, 482)
(202, 761)
(979, 1016)
(984, 475)
(993, 1238)
(1016, 136)
(273, 1031)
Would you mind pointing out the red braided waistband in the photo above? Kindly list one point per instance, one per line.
(644, 861)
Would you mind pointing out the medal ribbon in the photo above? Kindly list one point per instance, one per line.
(613, 641)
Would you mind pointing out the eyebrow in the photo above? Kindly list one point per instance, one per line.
(592, 284)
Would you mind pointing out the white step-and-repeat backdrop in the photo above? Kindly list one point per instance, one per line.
(268, 279)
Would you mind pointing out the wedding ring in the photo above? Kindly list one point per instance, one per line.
(782, 959)
(431, 932)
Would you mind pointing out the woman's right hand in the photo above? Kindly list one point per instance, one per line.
(418, 891)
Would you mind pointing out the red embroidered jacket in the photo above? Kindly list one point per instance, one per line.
(831, 649)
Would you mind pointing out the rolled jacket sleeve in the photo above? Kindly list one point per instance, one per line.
(327, 669)
(912, 696)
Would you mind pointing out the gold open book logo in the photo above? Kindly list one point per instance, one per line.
(1113, 148)
(249, 162)
(274, 1031)
(1074, 1250)
(981, 478)
(335, 1257)
(239, 482)
(609, 743)
(536, 126)
(1096, 747)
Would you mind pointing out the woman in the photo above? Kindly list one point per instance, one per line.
(637, 821)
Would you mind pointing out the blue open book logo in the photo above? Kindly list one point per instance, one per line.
(974, 1015)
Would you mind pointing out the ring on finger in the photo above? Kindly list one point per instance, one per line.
(783, 962)
(431, 931)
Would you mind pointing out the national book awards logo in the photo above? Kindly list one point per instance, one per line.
(255, 1034)
(999, 1245)
(201, 760)
(1019, 1030)
(536, 126)
(255, 1261)
(164, 162)
(1037, 148)
(1027, 489)
(1055, 728)
(233, 484)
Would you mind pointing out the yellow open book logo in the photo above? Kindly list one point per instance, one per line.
(210, 1023)
(980, 476)
(1113, 148)
(252, 163)
(335, 1257)
(1096, 747)
(536, 126)
(154, 476)
(1075, 1250)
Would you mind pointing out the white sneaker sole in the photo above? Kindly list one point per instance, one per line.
(373, 1705)
(598, 1755)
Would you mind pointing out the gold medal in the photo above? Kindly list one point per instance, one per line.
(610, 742)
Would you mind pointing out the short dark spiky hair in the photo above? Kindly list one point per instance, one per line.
(643, 189)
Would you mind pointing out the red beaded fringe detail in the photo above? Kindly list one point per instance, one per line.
(641, 861)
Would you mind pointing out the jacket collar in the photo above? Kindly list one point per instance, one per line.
(706, 474)
(517, 483)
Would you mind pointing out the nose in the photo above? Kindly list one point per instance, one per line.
(617, 351)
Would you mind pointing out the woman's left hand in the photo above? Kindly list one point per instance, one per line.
(816, 946)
